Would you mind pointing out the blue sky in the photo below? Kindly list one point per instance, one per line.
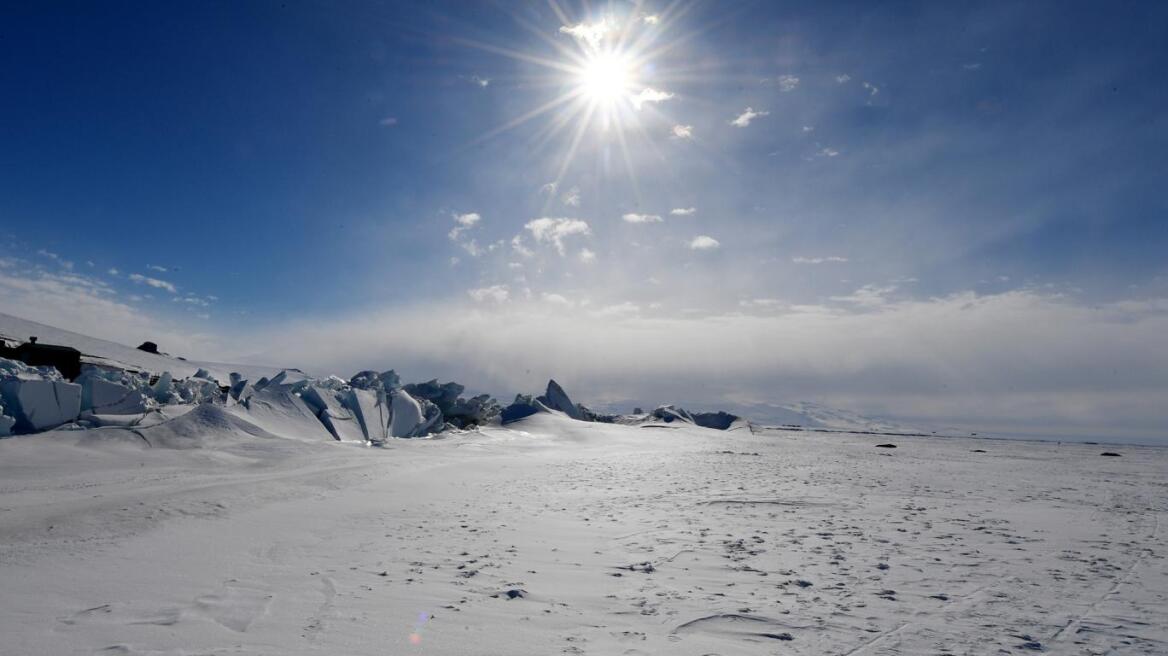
(246, 178)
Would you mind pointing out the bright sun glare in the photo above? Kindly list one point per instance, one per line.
(603, 70)
(606, 78)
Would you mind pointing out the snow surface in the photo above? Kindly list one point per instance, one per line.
(208, 532)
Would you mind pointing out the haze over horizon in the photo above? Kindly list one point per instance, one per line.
(952, 214)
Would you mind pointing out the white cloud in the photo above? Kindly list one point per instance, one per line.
(388, 122)
(808, 128)
(869, 296)
(843, 78)
(153, 282)
(872, 88)
(788, 82)
(827, 152)
(518, 246)
(704, 243)
(683, 211)
(618, 309)
(483, 82)
(572, 197)
(90, 306)
(465, 222)
(471, 247)
(556, 299)
(747, 116)
(761, 303)
(632, 217)
(113, 271)
(682, 131)
(586, 256)
(66, 264)
(971, 67)
(549, 189)
(555, 230)
(818, 260)
(155, 267)
(648, 95)
(590, 34)
(651, 19)
(494, 293)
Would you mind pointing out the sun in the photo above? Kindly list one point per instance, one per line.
(606, 78)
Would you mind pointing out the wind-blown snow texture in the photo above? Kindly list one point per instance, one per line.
(662, 538)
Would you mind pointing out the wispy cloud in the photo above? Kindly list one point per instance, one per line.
(465, 222)
(682, 131)
(555, 299)
(388, 122)
(572, 197)
(483, 82)
(153, 282)
(468, 219)
(587, 256)
(747, 116)
(633, 217)
(62, 262)
(842, 78)
(494, 293)
(869, 296)
(683, 211)
(872, 88)
(518, 246)
(590, 34)
(556, 230)
(91, 306)
(788, 82)
(704, 243)
(651, 19)
(648, 95)
(818, 260)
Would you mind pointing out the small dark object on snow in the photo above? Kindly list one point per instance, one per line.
(149, 347)
(885, 446)
(514, 593)
(66, 359)
(803, 584)
(1110, 453)
(778, 636)
(978, 451)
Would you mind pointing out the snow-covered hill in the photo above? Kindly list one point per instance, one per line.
(100, 351)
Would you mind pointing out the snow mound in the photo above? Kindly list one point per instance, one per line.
(205, 425)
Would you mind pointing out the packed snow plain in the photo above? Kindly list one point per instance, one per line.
(219, 530)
